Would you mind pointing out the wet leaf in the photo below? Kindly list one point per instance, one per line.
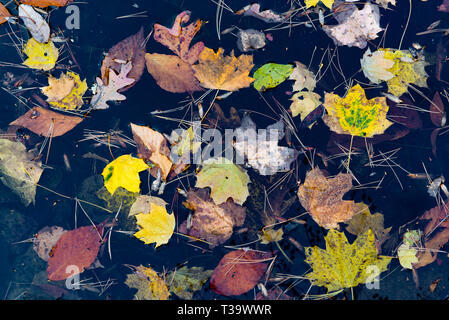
(149, 285)
(304, 78)
(322, 198)
(250, 39)
(185, 281)
(384, 3)
(18, 170)
(66, 92)
(143, 204)
(355, 114)
(313, 3)
(407, 255)
(216, 71)
(4, 14)
(75, 251)
(375, 66)
(36, 25)
(123, 172)
(428, 254)
(156, 226)
(131, 49)
(45, 240)
(444, 6)
(225, 179)
(211, 222)
(437, 216)
(270, 75)
(437, 114)
(239, 271)
(41, 56)
(343, 265)
(47, 123)
(270, 235)
(179, 37)
(268, 15)
(46, 3)
(303, 103)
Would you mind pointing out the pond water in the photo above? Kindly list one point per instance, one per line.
(398, 196)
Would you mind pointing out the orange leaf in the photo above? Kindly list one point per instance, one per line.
(4, 13)
(46, 3)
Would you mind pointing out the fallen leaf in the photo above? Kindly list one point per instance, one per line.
(185, 281)
(270, 235)
(41, 56)
(123, 172)
(143, 204)
(270, 75)
(269, 16)
(343, 265)
(74, 252)
(4, 14)
(131, 49)
(225, 179)
(355, 114)
(274, 293)
(152, 146)
(171, 73)
(156, 226)
(322, 198)
(437, 114)
(58, 89)
(239, 271)
(45, 240)
(66, 92)
(375, 66)
(250, 39)
(437, 216)
(429, 254)
(384, 3)
(109, 92)
(304, 78)
(149, 285)
(313, 3)
(47, 123)
(303, 103)
(178, 38)
(407, 256)
(216, 71)
(444, 6)
(18, 170)
(434, 284)
(211, 222)
(36, 25)
(46, 3)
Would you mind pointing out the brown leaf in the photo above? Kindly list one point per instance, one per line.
(275, 293)
(4, 13)
(437, 110)
(178, 38)
(152, 146)
(436, 215)
(75, 251)
(239, 271)
(429, 255)
(211, 222)
(130, 49)
(171, 73)
(46, 3)
(45, 240)
(322, 198)
(46, 122)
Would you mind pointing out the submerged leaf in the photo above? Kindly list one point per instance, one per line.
(185, 281)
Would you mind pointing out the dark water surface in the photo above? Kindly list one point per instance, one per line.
(100, 30)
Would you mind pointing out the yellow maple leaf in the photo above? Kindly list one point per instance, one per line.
(303, 103)
(42, 56)
(354, 114)
(313, 3)
(156, 226)
(216, 71)
(149, 285)
(123, 172)
(343, 265)
(66, 92)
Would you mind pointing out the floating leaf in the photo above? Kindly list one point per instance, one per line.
(304, 78)
(304, 103)
(216, 71)
(225, 179)
(185, 281)
(74, 252)
(355, 114)
(34, 22)
(156, 226)
(123, 172)
(143, 204)
(313, 3)
(437, 216)
(384, 3)
(322, 198)
(269, 16)
(270, 75)
(239, 271)
(250, 39)
(18, 171)
(407, 256)
(343, 265)
(41, 56)
(149, 285)
(432, 247)
(45, 240)
(375, 66)
(46, 3)
(66, 92)
(270, 235)
(4, 14)
(47, 123)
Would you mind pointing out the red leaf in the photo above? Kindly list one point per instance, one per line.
(75, 251)
(238, 272)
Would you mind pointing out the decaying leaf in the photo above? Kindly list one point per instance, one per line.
(343, 265)
(438, 217)
(131, 49)
(211, 222)
(268, 15)
(109, 92)
(172, 73)
(156, 226)
(355, 114)
(123, 172)
(303, 103)
(375, 66)
(270, 235)
(432, 246)
(152, 146)
(357, 28)
(46, 3)
(142, 204)
(270, 75)
(66, 92)
(384, 3)
(216, 71)
(4, 14)
(45, 240)
(149, 285)
(47, 123)
(179, 37)
(18, 170)
(239, 271)
(322, 198)
(304, 78)
(444, 6)
(41, 56)
(185, 281)
(74, 252)
(36, 25)
(225, 180)
(250, 39)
